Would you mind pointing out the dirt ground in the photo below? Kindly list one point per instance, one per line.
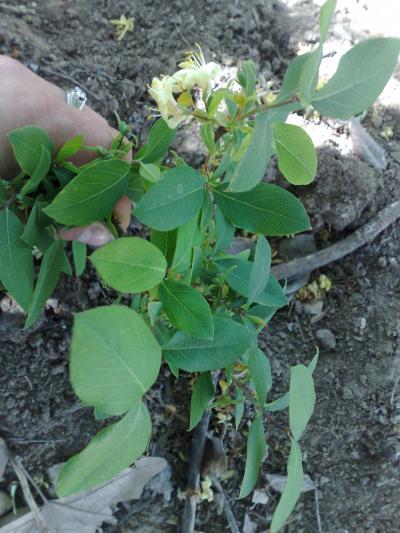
(352, 446)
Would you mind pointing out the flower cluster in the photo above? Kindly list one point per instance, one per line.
(173, 93)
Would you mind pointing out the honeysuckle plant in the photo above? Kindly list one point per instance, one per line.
(188, 302)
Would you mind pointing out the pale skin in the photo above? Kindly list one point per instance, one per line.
(25, 98)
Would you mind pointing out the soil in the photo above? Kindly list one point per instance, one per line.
(352, 446)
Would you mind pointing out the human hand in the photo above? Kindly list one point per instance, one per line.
(25, 98)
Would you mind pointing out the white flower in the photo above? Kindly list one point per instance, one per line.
(195, 71)
(162, 90)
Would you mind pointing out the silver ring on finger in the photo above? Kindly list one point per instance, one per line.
(76, 97)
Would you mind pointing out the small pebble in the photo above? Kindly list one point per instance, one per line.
(326, 338)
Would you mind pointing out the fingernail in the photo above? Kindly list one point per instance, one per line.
(97, 234)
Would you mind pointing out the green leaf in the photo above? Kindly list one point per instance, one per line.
(150, 172)
(256, 449)
(70, 148)
(292, 490)
(325, 18)
(252, 166)
(79, 252)
(16, 263)
(39, 174)
(115, 358)
(309, 75)
(266, 209)
(239, 407)
(264, 312)
(91, 195)
(301, 399)
(27, 145)
(260, 374)
(279, 404)
(160, 139)
(291, 80)
(50, 271)
(260, 269)
(247, 76)
(187, 309)
(207, 136)
(224, 232)
(231, 340)
(130, 264)
(165, 242)
(184, 246)
(361, 76)
(135, 189)
(313, 363)
(203, 394)
(36, 229)
(110, 451)
(173, 200)
(297, 158)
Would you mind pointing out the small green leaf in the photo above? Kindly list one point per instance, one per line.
(185, 237)
(135, 189)
(36, 230)
(187, 309)
(39, 174)
(297, 158)
(160, 139)
(266, 209)
(165, 242)
(239, 407)
(175, 199)
(251, 168)
(301, 399)
(50, 271)
(16, 263)
(150, 172)
(130, 264)
(79, 252)
(203, 394)
(260, 269)
(325, 18)
(292, 490)
(309, 75)
(207, 136)
(360, 77)
(115, 358)
(313, 363)
(110, 451)
(260, 374)
(92, 194)
(279, 404)
(291, 80)
(224, 232)
(70, 148)
(247, 76)
(27, 145)
(231, 340)
(256, 448)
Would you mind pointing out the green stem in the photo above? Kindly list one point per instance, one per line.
(266, 107)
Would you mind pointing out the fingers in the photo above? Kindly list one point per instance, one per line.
(97, 234)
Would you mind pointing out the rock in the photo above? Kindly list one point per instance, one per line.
(347, 393)
(260, 496)
(313, 308)
(5, 503)
(326, 338)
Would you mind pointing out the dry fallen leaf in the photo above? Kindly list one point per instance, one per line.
(278, 483)
(85, 512)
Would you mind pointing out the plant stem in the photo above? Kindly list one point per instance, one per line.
(266, 107)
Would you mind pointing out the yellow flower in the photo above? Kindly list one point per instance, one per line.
(196, 72)
(162, 90)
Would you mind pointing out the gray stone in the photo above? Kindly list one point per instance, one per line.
(326, 338)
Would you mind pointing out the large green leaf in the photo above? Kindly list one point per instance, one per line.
(252, 166)
(361, 76)
(292, 489)
(160, 139)
(301, 399)
(185, 236)
(91, 195)
(130, 264)
(39, 173)
(260, 269)
(27, 145)
(16, 263)
(256, 448)
(309, 75)
(115, 358)
(36, 230)
(187, 309)
(266, 209)
(173, 200)
(291, 80)
(260, 374)
(110, 451)
(297, 158)
(203, 393)
(224, 231)
(50, 271)
(231, 340)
